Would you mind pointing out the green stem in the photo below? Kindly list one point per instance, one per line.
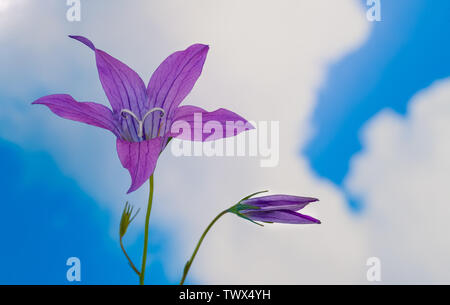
(129, 259)
(147, 218)
(189, 263)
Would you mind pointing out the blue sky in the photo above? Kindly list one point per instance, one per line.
(404, 54)
(50, 210)
(52, 220)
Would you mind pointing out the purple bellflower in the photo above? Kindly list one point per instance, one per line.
(275, 208)
(142, 118)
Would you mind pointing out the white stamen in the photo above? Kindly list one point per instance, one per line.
(141, 122)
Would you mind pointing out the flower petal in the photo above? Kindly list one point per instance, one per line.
(280, 202)
(139, 158)
(281, 216)
(173, 80)
(206, 126)
(86, 112)
(123, 86)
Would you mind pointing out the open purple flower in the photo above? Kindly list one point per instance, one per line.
(142, 117)
(275, 208)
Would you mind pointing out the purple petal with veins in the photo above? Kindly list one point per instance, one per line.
(196, 124)
(172, 81)
(90, 113)
(123, 87)
(139, 159)
(280, 202)
(281, 216)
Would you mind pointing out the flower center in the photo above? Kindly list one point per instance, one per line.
(125, 112)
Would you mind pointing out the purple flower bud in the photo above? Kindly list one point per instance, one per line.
(277, 208)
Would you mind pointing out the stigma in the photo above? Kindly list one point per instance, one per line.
(125, 112)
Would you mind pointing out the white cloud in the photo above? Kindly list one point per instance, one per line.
(4, 5)
(402, 175)
(266, 62)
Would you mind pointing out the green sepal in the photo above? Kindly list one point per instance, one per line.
(251, 195)
(126, 219)
(242, 206)
(251, 220)
(238, 207)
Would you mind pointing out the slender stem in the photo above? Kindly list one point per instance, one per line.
(147, 218)
(189, 263)
(128, 258)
